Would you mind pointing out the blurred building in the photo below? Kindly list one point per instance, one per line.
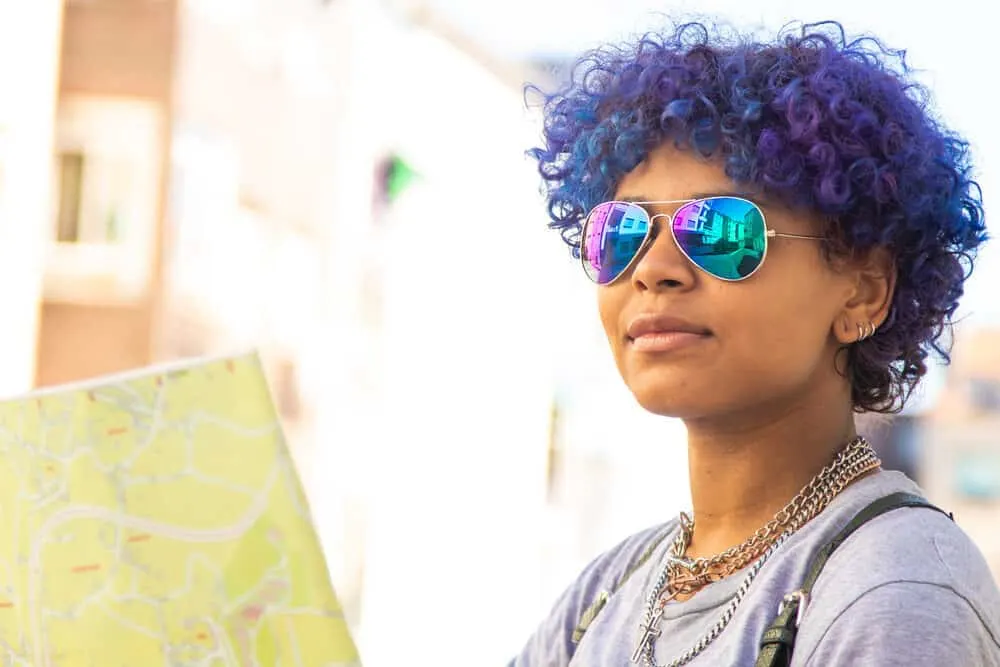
(960, 441)
(192, 143)
(110, 178)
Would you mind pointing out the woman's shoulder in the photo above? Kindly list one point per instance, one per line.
(907, 565)
(911, 587)
(916, 544)
(910, 544)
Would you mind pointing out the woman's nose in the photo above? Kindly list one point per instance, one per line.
(661, 264)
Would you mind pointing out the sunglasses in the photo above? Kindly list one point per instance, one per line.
(726, 237)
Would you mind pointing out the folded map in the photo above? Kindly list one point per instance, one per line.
(156, 518)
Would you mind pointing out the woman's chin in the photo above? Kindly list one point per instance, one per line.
(668, 404)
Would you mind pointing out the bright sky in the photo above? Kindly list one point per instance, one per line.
(953, 48)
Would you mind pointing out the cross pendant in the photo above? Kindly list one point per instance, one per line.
(650, 631)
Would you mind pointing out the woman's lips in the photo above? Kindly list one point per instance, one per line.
(665, 341)
(661, 332)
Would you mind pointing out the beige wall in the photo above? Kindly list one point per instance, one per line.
(112, 48)
(119, 47)
(79, 341)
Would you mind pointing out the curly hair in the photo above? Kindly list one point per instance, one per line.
(810, 119)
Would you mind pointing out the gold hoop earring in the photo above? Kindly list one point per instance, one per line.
(865, 331)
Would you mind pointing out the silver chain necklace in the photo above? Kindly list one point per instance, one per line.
(856, 459)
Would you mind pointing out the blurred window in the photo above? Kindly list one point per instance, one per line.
(70, 197)
(984, 394)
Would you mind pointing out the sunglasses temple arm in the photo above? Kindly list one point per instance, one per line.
(772, 234)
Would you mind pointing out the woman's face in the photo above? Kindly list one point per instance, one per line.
(700, 347)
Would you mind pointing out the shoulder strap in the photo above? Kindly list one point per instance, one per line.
(779, 639)
(591, 612)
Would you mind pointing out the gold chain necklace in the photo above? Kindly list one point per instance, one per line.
(687, 576)
(681, 576)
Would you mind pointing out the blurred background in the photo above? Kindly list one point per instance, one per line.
(192, 177)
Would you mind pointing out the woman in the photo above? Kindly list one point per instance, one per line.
(780, 233)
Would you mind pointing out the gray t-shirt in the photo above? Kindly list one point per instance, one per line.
(908, 588)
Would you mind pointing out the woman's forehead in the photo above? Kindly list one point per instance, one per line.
(670, 174)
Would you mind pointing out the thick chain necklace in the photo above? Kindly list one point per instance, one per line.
(681, 576)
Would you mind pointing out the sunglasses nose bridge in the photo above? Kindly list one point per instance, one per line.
(660, 261)
(660, 224)
(669, 217)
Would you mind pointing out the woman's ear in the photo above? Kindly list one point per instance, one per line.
(867, 306)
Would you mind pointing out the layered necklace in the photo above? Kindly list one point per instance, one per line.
(682, 577)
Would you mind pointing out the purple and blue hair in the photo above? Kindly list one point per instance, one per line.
(811, 119)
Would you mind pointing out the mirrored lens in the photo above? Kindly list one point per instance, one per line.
(612, 235)
(725, 236)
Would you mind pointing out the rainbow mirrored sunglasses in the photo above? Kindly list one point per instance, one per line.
(724, 236)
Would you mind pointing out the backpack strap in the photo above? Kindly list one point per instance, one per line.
(591, 612)
(778, 640)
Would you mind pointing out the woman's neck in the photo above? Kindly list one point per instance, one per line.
(743, 471)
